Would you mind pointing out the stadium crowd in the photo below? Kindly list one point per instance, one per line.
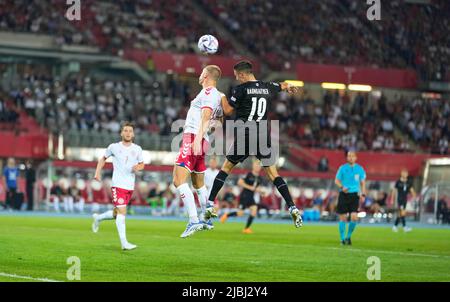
(409, 35)
(338, 121)
(84, 103)
(364, 123)
(113, 25)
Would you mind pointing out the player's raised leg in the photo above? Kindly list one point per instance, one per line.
(108, 215)
(282, 187)
(219, 181)
(180, 177)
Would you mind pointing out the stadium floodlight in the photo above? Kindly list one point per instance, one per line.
(339, 86)
(296, 83)
(357, 87)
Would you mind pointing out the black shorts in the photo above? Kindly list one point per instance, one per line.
(347, 203)
(401, 204)
(246, 202)
(248, 144)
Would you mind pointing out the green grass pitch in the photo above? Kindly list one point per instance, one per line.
(39, 247)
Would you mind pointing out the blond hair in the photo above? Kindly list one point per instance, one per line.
(214, 71)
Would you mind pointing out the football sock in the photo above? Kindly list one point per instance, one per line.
(218, 184)
(351, 228)
(342, 229)
(282, 187)
(202, 199)
(189, 202)
(403, 221)
(397, 220)
(121, 229)
(249, 221)
(108, 215)
(232, 214)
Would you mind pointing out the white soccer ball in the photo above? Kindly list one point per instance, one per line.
(208, 44)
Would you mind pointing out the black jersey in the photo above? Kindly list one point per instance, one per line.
(251, 100)
(403, 188)
(250, 180)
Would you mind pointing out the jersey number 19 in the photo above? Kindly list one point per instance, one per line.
(259, 107)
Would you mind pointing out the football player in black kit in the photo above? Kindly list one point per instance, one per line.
(249, 186)
(250, 101)
(401, 190)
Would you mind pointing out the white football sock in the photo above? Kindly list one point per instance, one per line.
(189, 202)
(108, 215)
(202, 198)
(120, 223)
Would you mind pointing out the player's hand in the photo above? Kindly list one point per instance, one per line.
(362, 198)
(197, 145)
(136, 168)
(293, 90)
(97, 177)
(345, 190)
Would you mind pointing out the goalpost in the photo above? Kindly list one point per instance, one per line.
(435, 188)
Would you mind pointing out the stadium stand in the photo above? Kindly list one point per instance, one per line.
(338, 121)
(112, 25)
(399, 40)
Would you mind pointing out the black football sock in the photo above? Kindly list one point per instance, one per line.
(218, 184)
(232, 214)
(282, 187)
(403, 221)
(249, 221)
(397, 220)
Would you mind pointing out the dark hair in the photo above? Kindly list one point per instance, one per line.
(243, 66)
(126, 124)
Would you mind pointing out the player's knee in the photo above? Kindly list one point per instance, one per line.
(121, 211)
(271, 173)
(177, 181)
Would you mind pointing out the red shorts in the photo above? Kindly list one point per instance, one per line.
(121, 197)
(186, 157)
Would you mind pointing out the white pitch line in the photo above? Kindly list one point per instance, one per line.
(389, 252)
(27, 277)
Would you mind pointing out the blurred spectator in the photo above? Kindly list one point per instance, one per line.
(323, 164)
(10, 177)
(30, 179)
(442, 213)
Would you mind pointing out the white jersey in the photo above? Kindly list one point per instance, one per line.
(210, 175)
(124, 158)
(207, 98)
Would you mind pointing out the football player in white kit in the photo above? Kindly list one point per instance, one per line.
(127, 160)
(191, 158)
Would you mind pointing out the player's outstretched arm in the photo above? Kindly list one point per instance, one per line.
(226, 107)
(98, 171)
(289, 88)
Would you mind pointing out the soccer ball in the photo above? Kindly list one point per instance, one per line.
(208, 44)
